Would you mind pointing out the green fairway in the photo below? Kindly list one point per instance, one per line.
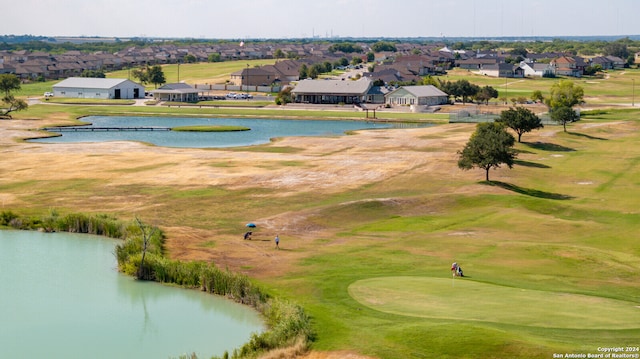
(466, 300)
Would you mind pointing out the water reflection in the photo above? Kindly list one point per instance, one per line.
(62, 292)
(261, 130)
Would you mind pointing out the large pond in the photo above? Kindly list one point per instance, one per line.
(261, 130)
(62, 297)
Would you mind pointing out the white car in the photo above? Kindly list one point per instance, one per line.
(48, 94)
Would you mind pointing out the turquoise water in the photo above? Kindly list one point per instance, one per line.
(261, 131)
(62, 297)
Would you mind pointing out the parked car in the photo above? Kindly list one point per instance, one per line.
(48, 94)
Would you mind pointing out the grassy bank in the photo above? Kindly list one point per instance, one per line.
(288, 324)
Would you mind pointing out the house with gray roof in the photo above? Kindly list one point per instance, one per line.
(535, 69)
(332, 91)
(427, 95)
(87, 87)
(179, 92)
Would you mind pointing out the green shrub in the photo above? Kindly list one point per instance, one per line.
(6, 217)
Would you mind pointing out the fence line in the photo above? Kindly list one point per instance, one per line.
(475, 115)
(229, 87)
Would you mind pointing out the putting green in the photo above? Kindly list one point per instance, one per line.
(464, 299)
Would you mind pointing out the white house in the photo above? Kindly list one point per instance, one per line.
(428, 95)
(535, 69)
(87, 87)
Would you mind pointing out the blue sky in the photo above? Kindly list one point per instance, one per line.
(232, 19)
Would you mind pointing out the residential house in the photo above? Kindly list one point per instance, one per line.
(476, 64)
(502, 70)
(566, 66)
(7, 69)
(428, 95)
(604, 62)
(534, 69)
(388, 76)
(618, 63)
(332, 91)
(285, 71)
(253, 76)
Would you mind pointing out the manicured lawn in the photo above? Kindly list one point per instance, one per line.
(542, 265)
(199, 73)
(88, 101)
(463, 299)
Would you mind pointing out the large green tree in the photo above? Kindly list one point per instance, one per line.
(489, 147)
(520, 119)
(485, 94)
(141, 75)
(8, 84)
(564, 115)
(153, 75)
(564, 94)
(12, 104)
(460, 89)
(156, 75)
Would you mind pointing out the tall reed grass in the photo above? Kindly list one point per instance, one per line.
(288, 324)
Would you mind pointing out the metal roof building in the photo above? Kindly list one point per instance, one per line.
(87, 87)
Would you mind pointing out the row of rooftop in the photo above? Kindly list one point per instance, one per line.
(408, 63)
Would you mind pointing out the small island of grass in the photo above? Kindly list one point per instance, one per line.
(212, 128)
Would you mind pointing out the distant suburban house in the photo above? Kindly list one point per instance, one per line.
(566, 66)
(618, 63)
(7, 69)
(332, 91)
(428, 95)
(178, 92)
(604, 62)
(285, 71)
(87, 87)
(253, 76)
(534, 69)
(476, 64)
(501, 70)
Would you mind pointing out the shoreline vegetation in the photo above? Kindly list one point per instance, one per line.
(287, 323)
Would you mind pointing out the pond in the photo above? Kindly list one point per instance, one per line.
(62, 297)
(261, 130)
